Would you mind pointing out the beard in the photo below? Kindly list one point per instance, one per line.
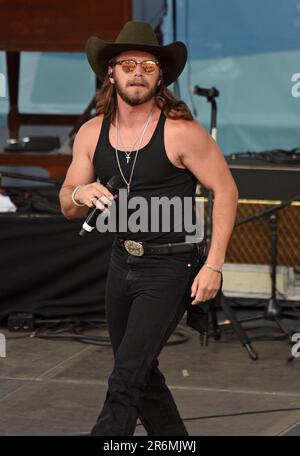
(135, 99)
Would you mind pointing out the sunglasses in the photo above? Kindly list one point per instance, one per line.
(129, 65)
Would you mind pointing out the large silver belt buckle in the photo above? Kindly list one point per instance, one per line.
(134, 248)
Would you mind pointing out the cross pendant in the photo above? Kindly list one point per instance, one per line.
(128, 158)
(128, 189)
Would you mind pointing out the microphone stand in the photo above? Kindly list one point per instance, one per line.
(211, 95)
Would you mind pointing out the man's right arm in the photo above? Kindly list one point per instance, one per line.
(81, 172)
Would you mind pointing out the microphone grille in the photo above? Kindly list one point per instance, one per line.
(116, 182)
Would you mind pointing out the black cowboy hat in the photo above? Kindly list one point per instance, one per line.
(137, 35)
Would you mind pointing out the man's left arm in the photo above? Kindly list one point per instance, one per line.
(202, 156)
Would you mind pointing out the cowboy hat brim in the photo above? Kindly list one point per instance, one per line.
(172, 57)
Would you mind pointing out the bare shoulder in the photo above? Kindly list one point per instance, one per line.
(81, 170)
(87, 136)
(186, 129)
(197, 151)
(185, 136)
(93, 123)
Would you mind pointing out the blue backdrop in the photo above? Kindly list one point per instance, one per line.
(249, 50)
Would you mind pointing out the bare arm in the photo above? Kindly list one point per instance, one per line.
(81, 172)
(203, 158)
(199, 153)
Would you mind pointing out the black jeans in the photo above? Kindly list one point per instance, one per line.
(146, 298)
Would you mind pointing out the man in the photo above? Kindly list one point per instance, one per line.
(145, 134)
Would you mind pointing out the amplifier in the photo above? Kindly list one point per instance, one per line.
(262, 185)
(257, 179)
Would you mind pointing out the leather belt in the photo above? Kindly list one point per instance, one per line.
(146, 248)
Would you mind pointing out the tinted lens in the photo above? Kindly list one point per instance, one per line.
(149, 66)
(128, 66)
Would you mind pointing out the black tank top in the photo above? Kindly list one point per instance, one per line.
(154, 175)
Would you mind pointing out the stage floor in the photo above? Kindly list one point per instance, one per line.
(57, 387)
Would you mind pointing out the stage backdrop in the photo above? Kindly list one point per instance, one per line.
(48, 269)
(249, 50)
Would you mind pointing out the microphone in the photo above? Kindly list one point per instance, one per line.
(114, 184)
(208, 93)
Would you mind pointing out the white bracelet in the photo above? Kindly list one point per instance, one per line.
(73, 197)
(213, 268)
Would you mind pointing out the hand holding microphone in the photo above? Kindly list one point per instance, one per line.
(100, 196)
(92, 194)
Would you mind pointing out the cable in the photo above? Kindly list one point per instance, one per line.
(83, 339)
(54, 331)
(174, 21)
(56, 328)
(189, 73)
(227, 415)
(228, 328)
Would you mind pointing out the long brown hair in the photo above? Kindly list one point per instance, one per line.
(106, 102)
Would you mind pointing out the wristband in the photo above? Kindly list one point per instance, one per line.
(213, 268)
(73, 197)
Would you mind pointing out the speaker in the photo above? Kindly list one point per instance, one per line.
(257, 179)
(251, 243)
(262, 185)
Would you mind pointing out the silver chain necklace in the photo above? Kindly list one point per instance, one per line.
(137, 151)
(128, 153)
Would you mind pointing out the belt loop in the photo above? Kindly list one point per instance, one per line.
(169, 249)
